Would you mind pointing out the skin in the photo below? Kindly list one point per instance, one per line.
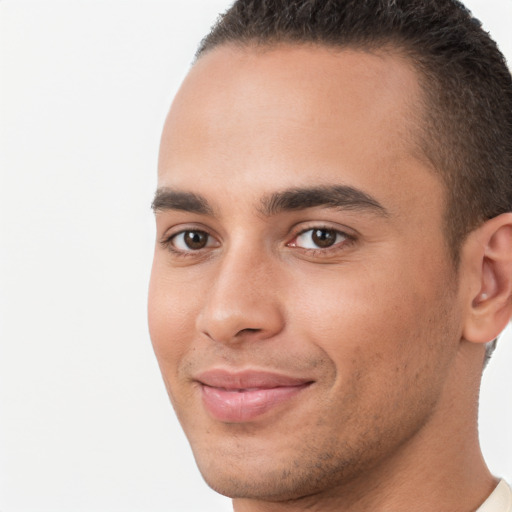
(388, 331)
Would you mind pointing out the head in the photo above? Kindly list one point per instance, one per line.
(333, 239)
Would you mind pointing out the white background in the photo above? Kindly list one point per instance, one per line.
(85, 424)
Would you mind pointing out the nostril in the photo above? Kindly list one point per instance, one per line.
(247, 331)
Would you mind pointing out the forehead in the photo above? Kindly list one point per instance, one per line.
(275, 117)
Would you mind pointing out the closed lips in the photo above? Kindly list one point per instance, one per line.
(244, 396)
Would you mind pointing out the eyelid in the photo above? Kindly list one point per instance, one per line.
(302, 227)
(182, 227)
(348, 234)
(166, 240)
(174, 241)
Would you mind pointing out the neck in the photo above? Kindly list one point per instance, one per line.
(440, 468)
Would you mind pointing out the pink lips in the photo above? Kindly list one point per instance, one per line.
(241, 397)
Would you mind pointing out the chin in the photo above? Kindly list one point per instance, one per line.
(263, 477)
(272, 476)
(273, 486)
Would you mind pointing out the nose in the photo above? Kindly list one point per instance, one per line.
(243, 301)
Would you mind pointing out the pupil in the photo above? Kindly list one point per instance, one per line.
(196, 239)
(324, 237)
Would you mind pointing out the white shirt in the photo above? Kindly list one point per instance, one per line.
(499, 501)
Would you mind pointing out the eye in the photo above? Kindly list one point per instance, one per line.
(318, 238)
(187, 241)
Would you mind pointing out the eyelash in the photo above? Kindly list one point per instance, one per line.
(348, 239)
(168, 243)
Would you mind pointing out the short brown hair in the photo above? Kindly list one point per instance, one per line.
(467, 132)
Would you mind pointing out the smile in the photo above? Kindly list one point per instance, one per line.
(242, 397)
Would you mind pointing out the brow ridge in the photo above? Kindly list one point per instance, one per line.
(168, 199)
(341, 197)
(336, 196)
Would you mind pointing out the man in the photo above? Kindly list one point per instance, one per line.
(334, 254)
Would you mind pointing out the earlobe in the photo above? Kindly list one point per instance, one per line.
(489, 256)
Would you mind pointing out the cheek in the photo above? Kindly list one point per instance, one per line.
(345, 305)
(171, 320)
(369, 319)
(387, 345)
(171, 315)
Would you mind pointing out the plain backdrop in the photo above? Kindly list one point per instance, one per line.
(85, 423)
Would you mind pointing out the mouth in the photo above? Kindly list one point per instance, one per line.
(244, 396)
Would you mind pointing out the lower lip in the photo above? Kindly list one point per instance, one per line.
(242, 406)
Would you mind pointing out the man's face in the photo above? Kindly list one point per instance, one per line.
(302, 305)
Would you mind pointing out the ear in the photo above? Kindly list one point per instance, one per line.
(487, 260)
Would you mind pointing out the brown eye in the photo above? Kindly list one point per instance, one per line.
(319, 238)
(324, 237)
(187, 241)
(195, 239)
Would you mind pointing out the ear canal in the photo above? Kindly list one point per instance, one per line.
(489, 284)
(482, 297)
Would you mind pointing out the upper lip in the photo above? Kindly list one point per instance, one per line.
(248, 379)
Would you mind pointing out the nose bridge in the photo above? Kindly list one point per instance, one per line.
(242, 301)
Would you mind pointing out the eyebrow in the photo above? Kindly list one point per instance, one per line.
(167, 199)
(340, 197)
